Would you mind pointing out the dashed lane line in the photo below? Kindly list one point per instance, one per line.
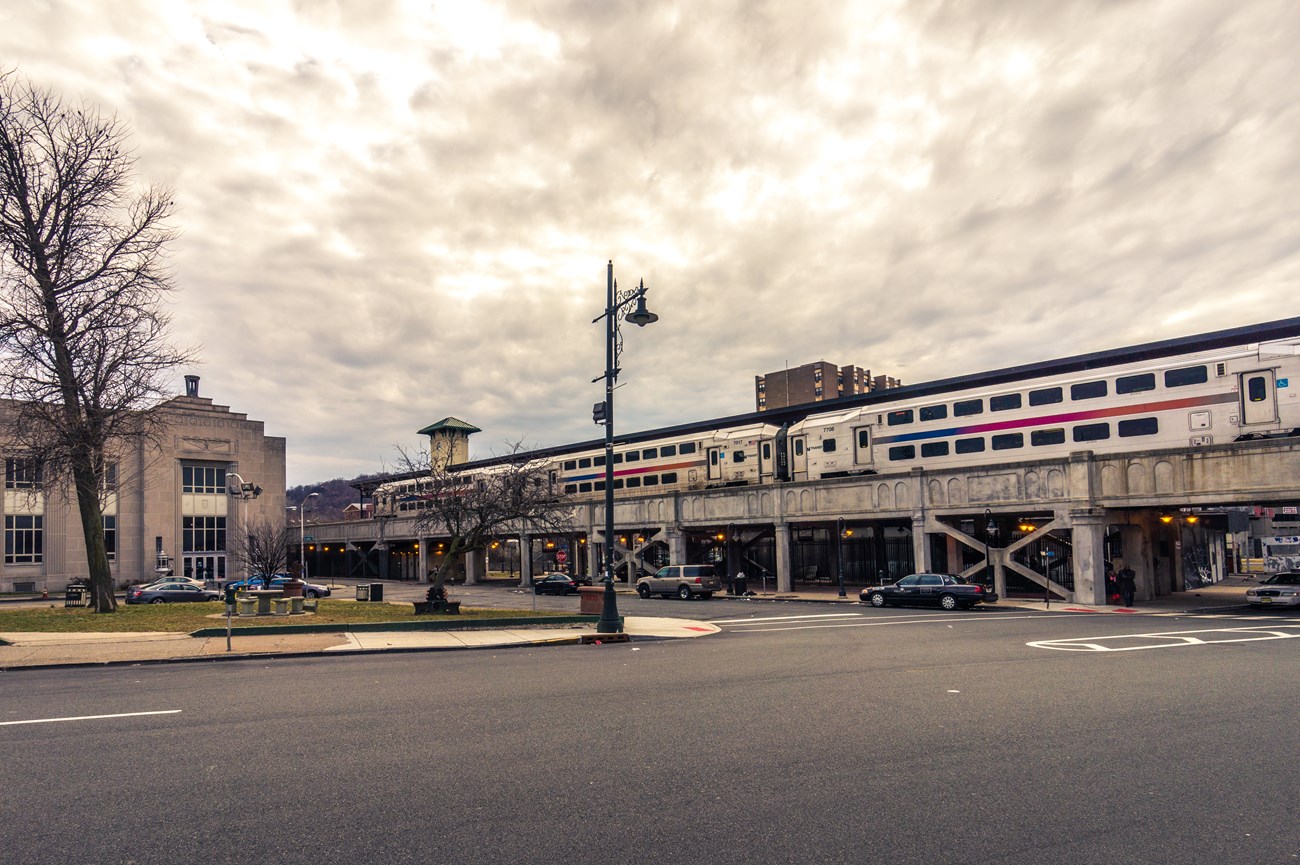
(90, 717)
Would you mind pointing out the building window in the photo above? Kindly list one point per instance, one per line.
(203, 534)
(23, 475)
(110, 537)
(203, 480)
(24, 539)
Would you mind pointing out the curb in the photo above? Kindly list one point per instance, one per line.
(432, 625)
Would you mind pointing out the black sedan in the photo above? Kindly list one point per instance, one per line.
(168, 593)
(943, 590)
(555, 584)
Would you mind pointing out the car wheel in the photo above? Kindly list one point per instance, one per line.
(158, 600)
(948, 602)
(684, 593)
(643, 590)
(311, 594)
(877, 599)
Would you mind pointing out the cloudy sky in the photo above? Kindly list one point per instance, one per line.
(392, 211)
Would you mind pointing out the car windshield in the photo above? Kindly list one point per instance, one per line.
(1283, 580)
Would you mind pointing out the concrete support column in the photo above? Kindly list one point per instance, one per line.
(1139, 554)
(784, 577)
(920, 544)
(422, 561)
(594, 569)
(525, 559)
(1087, 536)
(474, 567)
(955, 555)
(676, 546)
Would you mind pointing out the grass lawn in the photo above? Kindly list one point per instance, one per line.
(190, 617)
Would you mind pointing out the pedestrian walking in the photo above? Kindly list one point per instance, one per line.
(1127, 585)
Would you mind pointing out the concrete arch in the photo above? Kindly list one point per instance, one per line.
(884, 497)
(1164, 476)
(902, 495)
(806, 502)
(1055, 483)
(1112, 482)
(956, 491)
(1035, 487)
(934, 489)
(1139, 479)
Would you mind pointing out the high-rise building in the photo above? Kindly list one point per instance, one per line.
(815, 382)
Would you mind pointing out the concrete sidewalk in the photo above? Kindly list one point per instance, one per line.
(77, 649)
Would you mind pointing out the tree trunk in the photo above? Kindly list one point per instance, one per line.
(92, 528)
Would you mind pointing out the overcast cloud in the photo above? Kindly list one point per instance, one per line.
(396, 211)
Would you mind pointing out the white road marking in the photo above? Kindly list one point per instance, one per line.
(914, 621)
(786, 618)
(90, 717)
(1165, 640)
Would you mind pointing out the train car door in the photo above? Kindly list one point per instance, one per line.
(862, 446)
(1258, 398)
(799, 458)
(715, 464)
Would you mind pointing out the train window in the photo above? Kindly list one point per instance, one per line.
(1091, 432)
(1008, 441)
(1256, 389)
(598, 461)
(584, 463)
(968, 407)
(1005, 402)
(570, 489)
(767, 452)
(570, 465)
(798, 447)
(1087, 390)
(668, 451)
(599, 485)
(633, 483)
(828, 446)
(933, 412)
(618, 458)
(686, 448)
(1187, 375)
(902, 452)
(670, 477)
(900, 417)
(736, 457)
(632, 456)
(934, 449)
(864, 438)
(618, 483)
(970, 446)
(1143, 426)
(1135, 383)
(1040, 437)
(584, 487)
(650, 454)
(651, 481)
(713, 458)
(1046, 396)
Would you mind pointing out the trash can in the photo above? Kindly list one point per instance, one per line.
(591, 599)
(741, 585)
(376, 591)
(363, 592)
(75, 596)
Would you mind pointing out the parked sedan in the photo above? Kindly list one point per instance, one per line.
(168, 593)
(944, 590)
(309, 590)
(1279, 590)
(555, 584)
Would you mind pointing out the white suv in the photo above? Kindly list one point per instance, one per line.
(684, 581)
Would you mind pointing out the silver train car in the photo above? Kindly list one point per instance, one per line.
(1226, 386)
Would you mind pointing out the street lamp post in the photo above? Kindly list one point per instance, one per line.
(302, 536)
(840, 535)
(990, 530)
(603, 413)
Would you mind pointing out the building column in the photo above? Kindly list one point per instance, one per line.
(1139, 554)
(784, 578)
(920, 545)
(676, 545)
(422, 561)
(1087, 537)
(473, 567)
(525, 559)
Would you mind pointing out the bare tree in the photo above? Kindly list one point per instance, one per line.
(83, 343)
(472, 508)
(263, 550)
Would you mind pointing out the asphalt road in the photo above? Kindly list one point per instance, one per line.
(804, 733)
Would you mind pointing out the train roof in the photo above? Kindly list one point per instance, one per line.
(1237, 336)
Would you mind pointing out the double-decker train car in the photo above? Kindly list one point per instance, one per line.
(1189, 392)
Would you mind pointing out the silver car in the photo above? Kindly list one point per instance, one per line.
(684, 581)
(1279, 590)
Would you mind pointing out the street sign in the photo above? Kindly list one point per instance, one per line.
(308, 538)
(561, 557)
